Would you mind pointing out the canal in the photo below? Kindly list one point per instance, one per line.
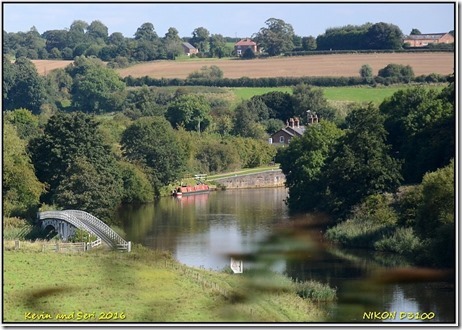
(205, 230)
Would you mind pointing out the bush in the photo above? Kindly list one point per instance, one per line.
(370, 222)
(396, 70)
(315, 291)
(211, 73)
(407, 204)
(403, 241)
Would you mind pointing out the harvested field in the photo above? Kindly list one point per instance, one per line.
(316, 65)
(334, 65)
(45, 66)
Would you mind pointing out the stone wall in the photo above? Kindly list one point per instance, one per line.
(274, 178)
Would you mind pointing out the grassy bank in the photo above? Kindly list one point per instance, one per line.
(243, 172)
(141, 286)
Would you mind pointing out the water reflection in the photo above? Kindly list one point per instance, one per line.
(203, 230)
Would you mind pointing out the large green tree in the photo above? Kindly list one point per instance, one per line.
(421, 127)
(303, 162)
(71, 143)
(23, 87)
(97, 31)
(200, 39)
(172, 43)
(309, 43)
(190, 111)
(151, 142)
(146, 32)
(360, 164)
(89, 188)
(95, 88)
(248, 118)
(21, 189)
(435, 218)
(384, 36)
(280, 104)
(305, 98)
(218, 46)
(276, 38)
(26, 124)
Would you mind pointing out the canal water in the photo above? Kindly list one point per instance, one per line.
(205, 230)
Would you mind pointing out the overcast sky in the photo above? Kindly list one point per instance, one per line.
(230, 20)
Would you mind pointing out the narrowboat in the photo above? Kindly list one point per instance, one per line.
(199, 188)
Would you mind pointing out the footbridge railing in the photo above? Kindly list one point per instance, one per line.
(85, 221)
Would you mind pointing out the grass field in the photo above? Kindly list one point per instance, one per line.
(140, 286)
(317, 65)
(343, 94)
(245, 93)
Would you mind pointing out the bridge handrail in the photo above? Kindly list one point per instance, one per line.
(72, 219)
(86, 221)
(99, 224)
(64, 216)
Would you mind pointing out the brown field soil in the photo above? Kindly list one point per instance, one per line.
(334, 65)
(317, 65)
(45, 66)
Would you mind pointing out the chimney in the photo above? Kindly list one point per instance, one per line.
(297, 122)
(291, 121)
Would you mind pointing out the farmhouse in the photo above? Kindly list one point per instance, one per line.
(292, 129)
(241, 46)
(422, 40)
(189, 49)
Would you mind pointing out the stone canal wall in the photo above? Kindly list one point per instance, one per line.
(274, 178)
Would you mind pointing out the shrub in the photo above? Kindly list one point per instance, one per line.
(370, 221)
(407, 204)
(402, 241)
(396, 70)
(366, 71)
(315, 291)
(212, 72)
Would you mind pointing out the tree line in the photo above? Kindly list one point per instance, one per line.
(382, 175)
(391, 74)
(275, 38)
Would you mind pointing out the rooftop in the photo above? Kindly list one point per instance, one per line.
(245, 42)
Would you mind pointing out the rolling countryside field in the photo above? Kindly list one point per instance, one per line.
(316, 65)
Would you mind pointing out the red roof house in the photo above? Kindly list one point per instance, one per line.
(241, 46)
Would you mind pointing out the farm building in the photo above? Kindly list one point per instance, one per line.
(241, 46)
(422, 40)
(292, 129)
(189, 49)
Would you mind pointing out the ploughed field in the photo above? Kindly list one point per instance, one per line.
(334, 65)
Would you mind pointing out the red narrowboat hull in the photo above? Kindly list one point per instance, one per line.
(188, 190)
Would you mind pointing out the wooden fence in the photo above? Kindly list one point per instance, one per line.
(63, 246)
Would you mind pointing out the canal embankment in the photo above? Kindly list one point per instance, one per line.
(265, 179)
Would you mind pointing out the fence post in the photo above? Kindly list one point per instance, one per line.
(16, 244)
(57, 246)
(129, 246)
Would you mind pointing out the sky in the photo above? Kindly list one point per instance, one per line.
(229, 19)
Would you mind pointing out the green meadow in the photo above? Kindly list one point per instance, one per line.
(344, 94)
(142, 286)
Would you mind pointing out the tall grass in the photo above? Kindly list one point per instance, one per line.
(315, 291)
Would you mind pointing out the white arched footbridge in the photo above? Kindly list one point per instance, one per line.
(65, 222)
